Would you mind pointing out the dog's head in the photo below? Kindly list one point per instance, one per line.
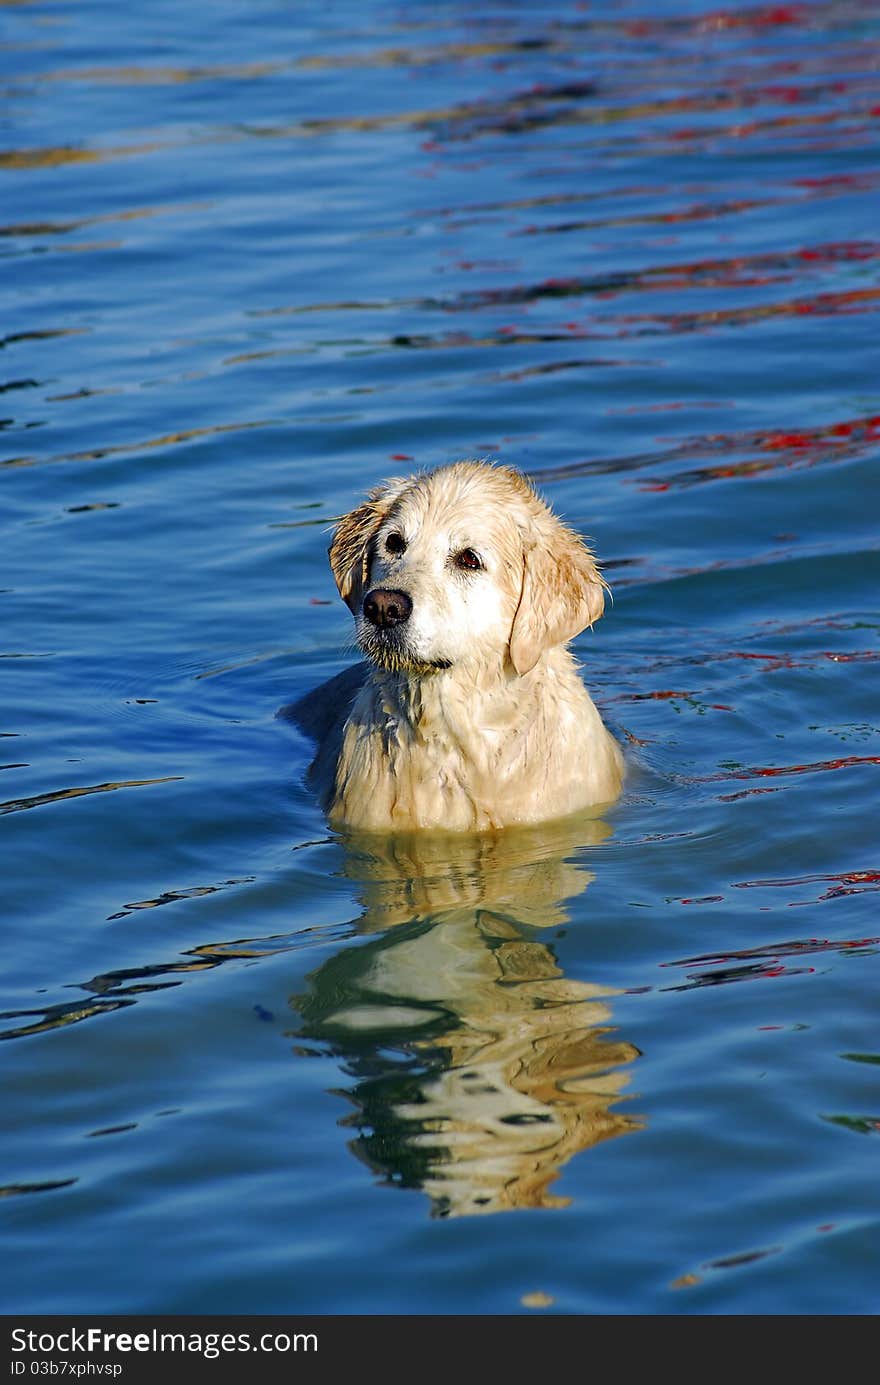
(462, 565)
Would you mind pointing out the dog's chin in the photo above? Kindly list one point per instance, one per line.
(387, 651)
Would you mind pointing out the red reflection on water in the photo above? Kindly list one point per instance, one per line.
(773, 662)
(739, 271)
(774, 771)
(744, 793)
(822, 304)
(845, 762)
(840, 440)
(726, 975)
(759, 963)
(842, 884)
(796, 948)
(662, 696)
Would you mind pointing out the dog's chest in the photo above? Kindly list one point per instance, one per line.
(463, 759)
(422, 769)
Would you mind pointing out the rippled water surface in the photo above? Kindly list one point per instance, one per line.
(257, 257)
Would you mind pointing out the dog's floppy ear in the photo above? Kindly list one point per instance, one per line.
(350, 550)
(562, 593)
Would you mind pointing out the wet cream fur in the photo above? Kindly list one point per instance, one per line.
(471, 714)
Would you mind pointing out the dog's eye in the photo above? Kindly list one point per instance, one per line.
(395, 544)
(468, 559)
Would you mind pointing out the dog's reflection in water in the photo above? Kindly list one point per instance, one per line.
(479, 1068)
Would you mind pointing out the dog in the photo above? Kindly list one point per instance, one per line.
(469, 714)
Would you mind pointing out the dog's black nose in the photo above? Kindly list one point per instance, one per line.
(383, 607)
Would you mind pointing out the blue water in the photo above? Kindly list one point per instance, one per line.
(256, 257)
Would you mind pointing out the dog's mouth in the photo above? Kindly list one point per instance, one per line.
(387, 647)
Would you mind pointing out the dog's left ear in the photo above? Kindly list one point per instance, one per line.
(562, 593)
(349, 552)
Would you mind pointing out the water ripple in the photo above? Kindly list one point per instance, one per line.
(17, 805)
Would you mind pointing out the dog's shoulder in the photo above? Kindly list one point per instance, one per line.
(322, 710)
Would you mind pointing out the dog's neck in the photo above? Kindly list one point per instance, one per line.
(467, 700)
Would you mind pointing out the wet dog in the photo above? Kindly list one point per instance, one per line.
(469, 713)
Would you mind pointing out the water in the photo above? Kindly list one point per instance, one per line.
(255, 260)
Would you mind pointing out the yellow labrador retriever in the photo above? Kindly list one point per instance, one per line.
(469, 713)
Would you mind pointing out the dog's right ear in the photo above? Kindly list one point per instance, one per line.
(350, 550)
